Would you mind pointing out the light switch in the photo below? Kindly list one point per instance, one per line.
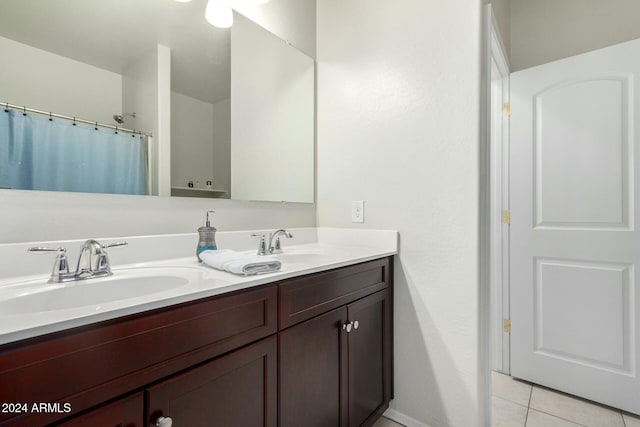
(357, 211)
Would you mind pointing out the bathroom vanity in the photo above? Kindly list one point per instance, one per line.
(307, 349)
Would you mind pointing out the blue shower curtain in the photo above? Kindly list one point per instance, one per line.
(39, 153)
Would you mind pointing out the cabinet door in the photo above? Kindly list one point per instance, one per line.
(236, 390)
(312, 389)
(369, 358)
(126, 412)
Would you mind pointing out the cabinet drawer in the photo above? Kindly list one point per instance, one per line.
(89, 365)
(308, 296)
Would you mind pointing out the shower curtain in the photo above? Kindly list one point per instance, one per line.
(42, 153)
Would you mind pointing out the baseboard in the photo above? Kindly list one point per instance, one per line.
(403, 419)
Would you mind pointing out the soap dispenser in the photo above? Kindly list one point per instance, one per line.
(207, 238)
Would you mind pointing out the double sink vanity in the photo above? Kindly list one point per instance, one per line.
(167, 341)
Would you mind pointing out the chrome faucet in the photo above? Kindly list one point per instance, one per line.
(92, 262)
(277, 249)
(273, 248)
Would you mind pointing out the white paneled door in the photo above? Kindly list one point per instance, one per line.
(574, 247)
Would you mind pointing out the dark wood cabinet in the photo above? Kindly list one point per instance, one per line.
(87, 366)
(311, 357)
(304, 297)
(369, 348)
(236, 390)
(336, 368)
(286, 354)
(125, 412)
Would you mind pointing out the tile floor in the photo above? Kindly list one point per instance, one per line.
(518, 404)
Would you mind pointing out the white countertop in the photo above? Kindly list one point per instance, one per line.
(332, 248)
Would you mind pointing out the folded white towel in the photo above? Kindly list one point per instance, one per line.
(237, 263)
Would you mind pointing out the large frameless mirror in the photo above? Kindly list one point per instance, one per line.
(230, 112)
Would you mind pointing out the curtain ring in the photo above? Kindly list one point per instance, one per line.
(24, 110)
(50, 118)
(116, 130)
(96, 125)
(74, 121)
(6, 108)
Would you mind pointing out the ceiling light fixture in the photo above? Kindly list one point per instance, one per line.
(219, 13)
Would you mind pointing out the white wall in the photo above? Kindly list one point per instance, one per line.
(38, 79)
(36, 216)
(191, 140)
(162, 138)
(200, 142)
(291, 20)
(146, 90)
(546, 30)
(398, 113)
(502, 13)
(140, 96)
(222, 146)
(272, 89)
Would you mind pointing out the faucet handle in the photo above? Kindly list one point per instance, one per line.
(59, 250)
(277, 247)
(61, 265)
(115, 244)
(262, 245)
(103, 264)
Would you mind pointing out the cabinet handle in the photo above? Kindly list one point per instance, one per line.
(355, 325)
(164, 422)
(347, 326)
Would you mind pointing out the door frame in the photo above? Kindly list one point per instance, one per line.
(498, 92)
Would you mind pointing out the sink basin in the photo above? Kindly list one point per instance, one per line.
(304, 255)
(124, 284)
(299, 258)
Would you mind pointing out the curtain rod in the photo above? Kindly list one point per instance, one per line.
(60, 116)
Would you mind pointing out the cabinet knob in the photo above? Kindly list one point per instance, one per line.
(355, 325)
(347, 326)
(164, 422)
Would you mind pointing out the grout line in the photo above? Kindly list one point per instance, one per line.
(561, 418)
(526, 417)
(587, 401)
(529, 408)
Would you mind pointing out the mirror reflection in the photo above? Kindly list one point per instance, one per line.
(230, 110)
